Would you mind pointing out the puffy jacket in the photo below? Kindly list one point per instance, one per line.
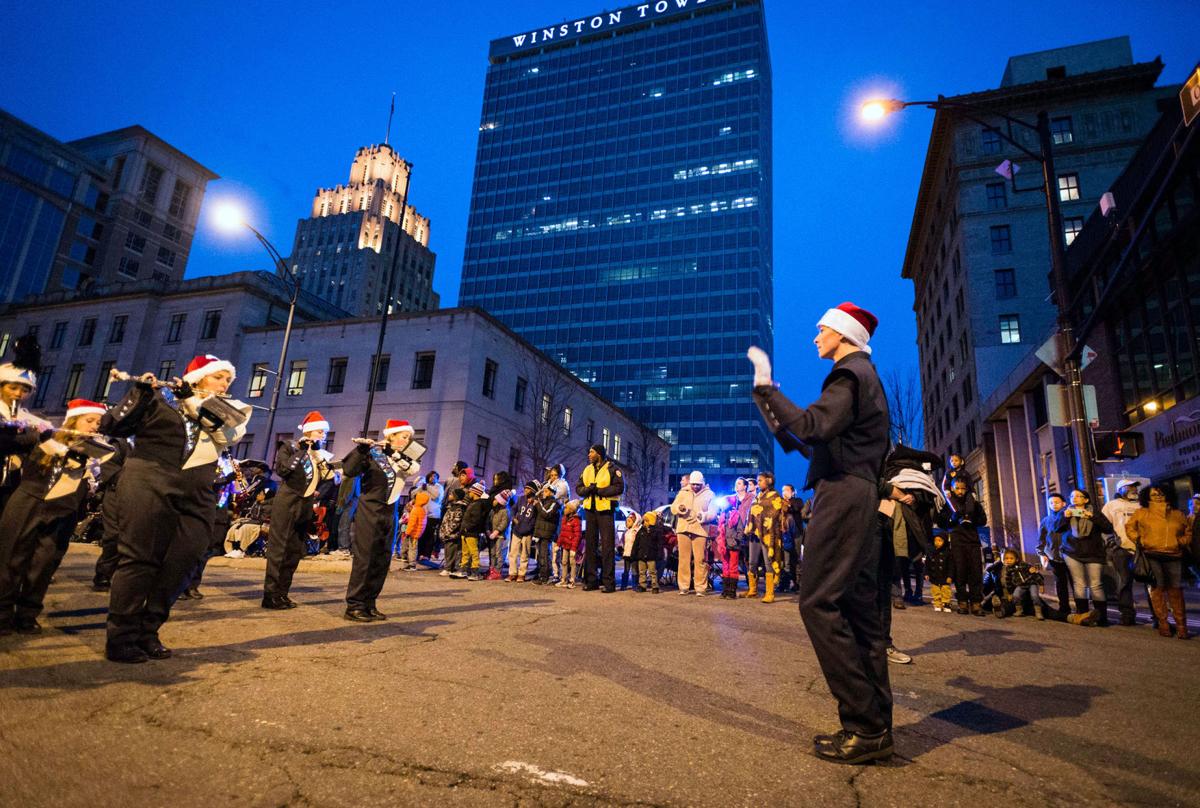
(648, 543)
(693, 510)
(1019, 574)
(452, 518)
(475, 519)
(571, 533)
(734, 522)
(417, 516)
(1162, 532)
(499, 520)
(549, 513)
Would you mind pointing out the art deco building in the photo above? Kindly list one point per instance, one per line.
(362, 232)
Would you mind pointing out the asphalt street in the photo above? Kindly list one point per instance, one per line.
(495, 693)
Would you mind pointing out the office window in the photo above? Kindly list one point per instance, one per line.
(489, 378)
(211, 324)
(297, 374)
(616, 452)
(519, 396)
(567, 417)
(151, 180)
(380, 365)
(258, 380)
(135, 243)
(545, 411)
(591, 431)
(39, 398)
(1010, 329)
(143, 217)
(423, 370)
(166, 369)
(1001, 235)
(990, 141)
(997, 197)
(1071, 227)
(337, 375)
(129, 267)
(179, 199)
(87, 331)
(1006, 283)
(59, 334)
(1061, 131)
(104, 381)
(165, 257)
(606, 440)
(1068, 187)
(481, 453)
(175, 327)
(116, 334)
(74, 381)
(172, 233)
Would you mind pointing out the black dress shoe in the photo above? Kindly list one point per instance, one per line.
(590, 587)
(854, 749)
(195, 594)
(154, 649)
(184, 595)
(288, 603)
(274, 602)
(126, 654)
(28, 627)
(359, 616)
(608, 590)
(375, 613)
(101, 585)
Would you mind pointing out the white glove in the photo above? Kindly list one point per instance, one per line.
(762, 366)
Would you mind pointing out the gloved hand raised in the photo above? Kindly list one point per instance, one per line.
(762, 366)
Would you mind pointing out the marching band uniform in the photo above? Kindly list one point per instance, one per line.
(383, 472)
(110, 475)
(166, 504)
(21, 430)
(36, 527)
(301, 467)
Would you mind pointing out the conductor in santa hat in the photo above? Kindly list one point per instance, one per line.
(844, 434)
(383, 471)
(302, 465)
(166, 502)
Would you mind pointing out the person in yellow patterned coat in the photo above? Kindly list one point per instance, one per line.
(764, 536)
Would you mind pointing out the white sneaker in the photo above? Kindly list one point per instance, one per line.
(444, 573)
(898, 657)
(235, 554)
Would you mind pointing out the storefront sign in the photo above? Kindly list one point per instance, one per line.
(1172, 443)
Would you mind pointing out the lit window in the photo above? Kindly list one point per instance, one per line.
(1061, 131)
(1071, 227)
(1010, 329)
(1068, 187)
(297, 376)
(258, 380)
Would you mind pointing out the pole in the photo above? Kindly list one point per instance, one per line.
(383, 318)
(294, 286)
(1080, 431)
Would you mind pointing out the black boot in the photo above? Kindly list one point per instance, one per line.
(274, 602)
(853, 749)
(1100, 607)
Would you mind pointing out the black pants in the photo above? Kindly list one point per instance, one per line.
(839, 601)
(545, 565)
(166, 517)
(216, 546)
(1062, 587)
(968, 570)
(291, 521)
(371, 552)
(427, 544)
(887, 562)
(34, 537)
(601, 538)
(106, 564)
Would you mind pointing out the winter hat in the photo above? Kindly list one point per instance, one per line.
(856, 324)
(478, 490)
(1123, 484)
(313, 422)
(696, 478)
(393, 426)
(81, 406)
(207, 365)
(27, 361)
(599, 449)
(459, 467)
(533, 485)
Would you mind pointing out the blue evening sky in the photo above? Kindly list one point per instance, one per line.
(276, 97)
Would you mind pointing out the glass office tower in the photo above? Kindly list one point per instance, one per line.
(621, 214)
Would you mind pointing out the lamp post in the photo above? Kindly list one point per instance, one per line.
(877, 110)
(231, 218)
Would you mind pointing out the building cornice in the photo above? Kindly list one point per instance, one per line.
(136, 131)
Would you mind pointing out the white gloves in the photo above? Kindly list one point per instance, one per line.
(762, 366)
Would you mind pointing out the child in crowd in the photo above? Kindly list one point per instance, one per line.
(633, 523)
(414, 528)
(937, 573)
(966, 516)
(523, 522)
(1013, 580)
(497, 530)
(474, 522)
(450, 530)
(648, 549)
(545, 530)
(568, 542)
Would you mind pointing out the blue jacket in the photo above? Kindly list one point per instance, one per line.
(524, 516)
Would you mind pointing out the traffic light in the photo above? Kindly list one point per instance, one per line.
(1119, 445)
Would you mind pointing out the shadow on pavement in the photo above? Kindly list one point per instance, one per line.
(984, 642)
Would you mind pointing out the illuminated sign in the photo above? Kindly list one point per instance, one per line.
(593, 24)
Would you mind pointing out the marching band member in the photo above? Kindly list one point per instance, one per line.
(383, 470)
(302, 466)
(58, 474)
(110, 476)
(166, 502)
(19, 429)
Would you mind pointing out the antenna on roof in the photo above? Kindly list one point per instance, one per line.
(391, 111)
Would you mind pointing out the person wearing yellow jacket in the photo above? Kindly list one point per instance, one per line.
(764, 536)
(600, 486)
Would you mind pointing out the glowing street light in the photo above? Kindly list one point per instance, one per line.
(229, 216)
(877, 109)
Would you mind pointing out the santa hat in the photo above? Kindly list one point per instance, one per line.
(393, 426)
(313, 422)
(81, 406)
(856, 324)
(207, 365)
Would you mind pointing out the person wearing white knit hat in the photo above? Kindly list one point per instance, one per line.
(844, 433)
(19, 429)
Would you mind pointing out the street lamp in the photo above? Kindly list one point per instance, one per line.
(230, 218)
(876, 110)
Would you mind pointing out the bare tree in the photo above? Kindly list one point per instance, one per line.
(645, 463)
(545, 432)
(903, 391)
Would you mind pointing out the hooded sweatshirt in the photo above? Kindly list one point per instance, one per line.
(417, 515)
(630, 536)
(692, 510)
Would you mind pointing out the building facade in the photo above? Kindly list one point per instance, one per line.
(978, 251)
(361, 232)
(621, 214)
(143, 326)
(1134, 277)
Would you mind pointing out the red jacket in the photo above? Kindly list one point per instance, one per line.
(570, 534)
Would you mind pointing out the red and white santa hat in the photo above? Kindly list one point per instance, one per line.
(312, 422)
(393, 426)
(81, 406)
(856, 324)
(206, 365)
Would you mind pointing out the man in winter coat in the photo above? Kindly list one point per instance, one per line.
(965, 517)
(694, 510)
(1120, 554)
(845, 435)
(600, 486)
